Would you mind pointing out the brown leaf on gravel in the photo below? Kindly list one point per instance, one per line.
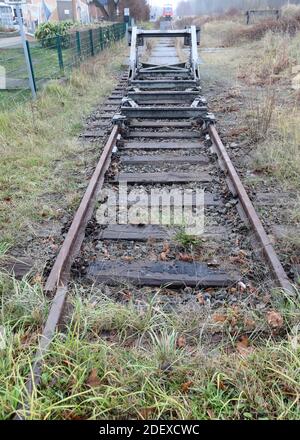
(185, 387)
(243, 346)
(166, 250)
(127, 295)
(166, 247)
(221, 385)
(163, 256)
(186, 257)
(219, 317)
(145, 413)
(200, 299)
(236, 131)
(71, 415)
(127, 258)
(181, 342)
(275, 320)
(237, 260)
(93, 379)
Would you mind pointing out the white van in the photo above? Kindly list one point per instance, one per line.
(7, 16)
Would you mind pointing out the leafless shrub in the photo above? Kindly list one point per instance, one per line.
(288, 25)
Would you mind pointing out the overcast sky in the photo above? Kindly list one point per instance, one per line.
(163, 2)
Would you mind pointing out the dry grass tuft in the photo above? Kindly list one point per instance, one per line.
(279, 155)
(261, 117)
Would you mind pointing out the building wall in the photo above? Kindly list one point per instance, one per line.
(36, 12)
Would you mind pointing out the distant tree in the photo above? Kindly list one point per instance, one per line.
(139, 9)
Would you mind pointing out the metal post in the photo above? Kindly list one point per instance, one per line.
(26, 55)
(31, 66)
(91, 42)
(78, 44)
(101, 38)
(59, 53)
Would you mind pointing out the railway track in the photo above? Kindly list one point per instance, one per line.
(163, 158)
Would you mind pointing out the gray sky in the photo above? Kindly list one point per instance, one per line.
(163, 2)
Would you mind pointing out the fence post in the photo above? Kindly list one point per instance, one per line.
(91, 42)
(59, 53)
(25, 50)
(78, 44)
(100, 38)
(31, 66)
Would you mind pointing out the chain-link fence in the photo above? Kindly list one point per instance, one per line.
(50, 58)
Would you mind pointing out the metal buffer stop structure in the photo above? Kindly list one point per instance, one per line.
(165, 91)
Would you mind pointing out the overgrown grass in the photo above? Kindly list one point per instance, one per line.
(38, 142)
(279, 155)
(117, 361)
(186, 240)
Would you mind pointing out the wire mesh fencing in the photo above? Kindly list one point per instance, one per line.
(50, 58)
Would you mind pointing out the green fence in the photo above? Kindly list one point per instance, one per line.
(52, 58)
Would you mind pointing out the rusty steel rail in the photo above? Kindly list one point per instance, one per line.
(267, 247)
(59, 273)
(59, 276)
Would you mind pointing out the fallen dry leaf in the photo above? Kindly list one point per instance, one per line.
(163, 256)
(166, 247)
(200, 299)
(93, 379)
(71, 415)
(274, 319)
(244, 341)
(185, 387)
(221, 385)
(127, 295)
(127, 258)
(243, 346)
(237, 260)
(186, 257)
(181, 342)
(145, 413)
(219, 317)
(165, 251)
